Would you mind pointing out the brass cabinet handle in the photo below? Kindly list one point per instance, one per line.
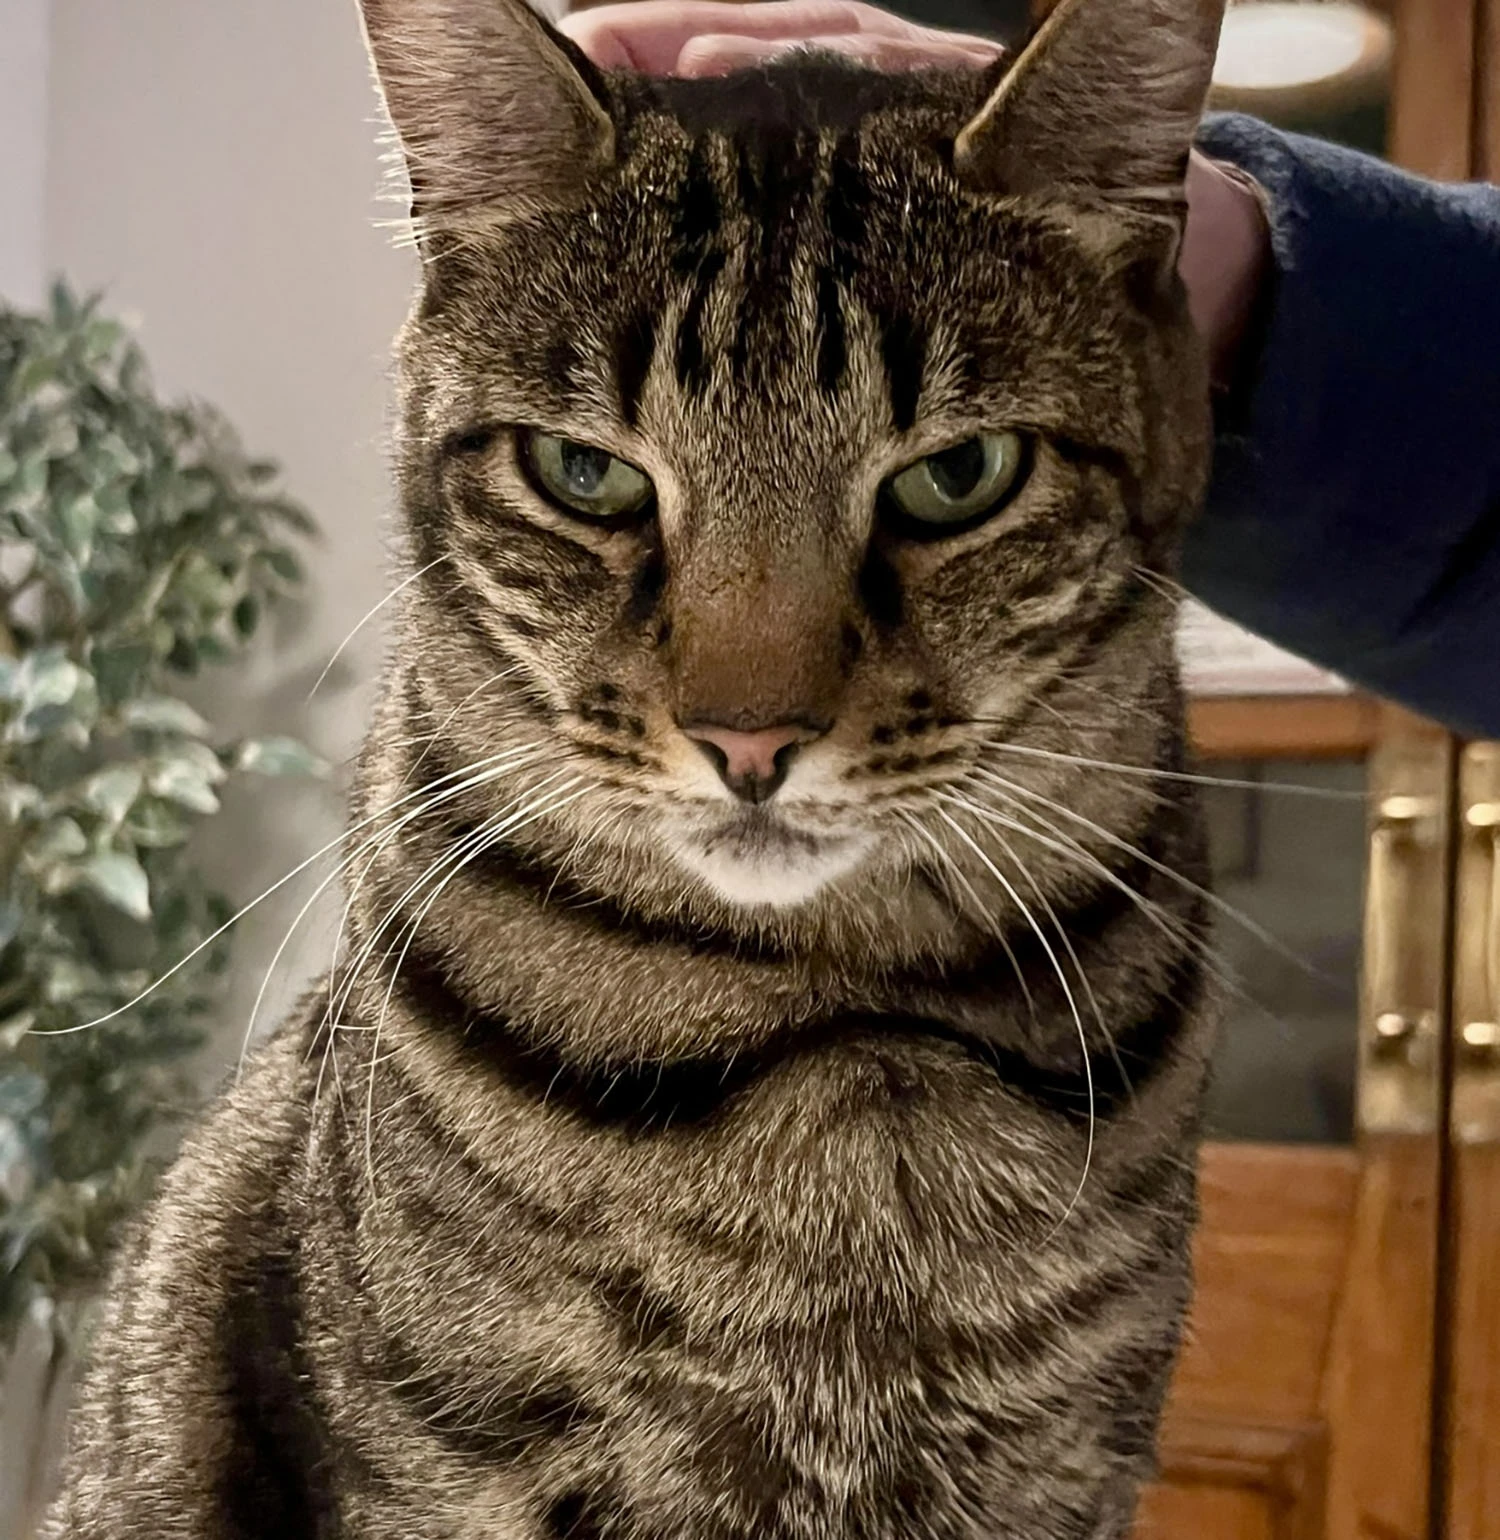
(1476, 984)
(1479, 932)
(1402, 1015)
(1394, 1014)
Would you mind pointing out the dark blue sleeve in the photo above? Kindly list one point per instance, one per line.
(1355, 509)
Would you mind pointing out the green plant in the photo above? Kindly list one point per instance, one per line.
(137, 544)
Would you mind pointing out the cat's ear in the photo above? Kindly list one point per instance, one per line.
(1106, 98)
(490, 105)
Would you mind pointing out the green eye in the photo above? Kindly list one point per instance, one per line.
(961, 485)
(585, 479)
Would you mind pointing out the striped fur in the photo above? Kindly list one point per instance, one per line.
(655, 1167)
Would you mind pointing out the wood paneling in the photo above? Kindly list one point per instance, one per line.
(1239, 1478)
(1284, 727)
(1486, 161)
(1473, 1431)
(1432, 87)
(1298, 726)
(1378, 1392)
(1276, 1228)
(1472, 1412)
(1300, 1409)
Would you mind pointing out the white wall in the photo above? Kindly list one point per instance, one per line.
(212, 164)
(23, 148)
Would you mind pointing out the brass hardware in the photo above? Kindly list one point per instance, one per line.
(1400, 1058)
(1476, 1014)
(1481, 1038)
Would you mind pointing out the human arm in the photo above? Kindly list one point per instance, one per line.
(1355, 509)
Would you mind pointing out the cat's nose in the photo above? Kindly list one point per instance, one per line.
(751, 764)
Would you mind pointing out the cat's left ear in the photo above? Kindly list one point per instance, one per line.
(1105, 101)
(491, 107)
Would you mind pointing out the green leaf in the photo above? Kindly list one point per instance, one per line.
(155, 825)
(284, 564)
(202, 758)
(120, 671)
(182, 782)
(112, 793)
(11, 919)
(64, 305)
(79, 519)
(59, 840)
(290, 514)
(164, 714)
(47, 678)
(65, 979)
(18, 800)
(119, 879)
(278, 756)
(32, 375)
(14, 1028)
(60, 440)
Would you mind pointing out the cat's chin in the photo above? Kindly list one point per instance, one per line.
(757, 861)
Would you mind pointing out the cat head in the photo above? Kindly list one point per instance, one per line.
(777, 447)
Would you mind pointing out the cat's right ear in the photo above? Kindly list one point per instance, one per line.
(1104, 101)
(491, 107)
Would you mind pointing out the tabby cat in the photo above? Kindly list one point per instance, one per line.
(758, 1097)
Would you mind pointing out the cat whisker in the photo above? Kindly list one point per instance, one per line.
(1153, 773)
(956, 874)
(368, 616)
(530, 754)
(558, 798)
(379, 840)
(1083, 859)
(1221, 906)
(1072, 951)
(437, 733)
(338, 1002)
(1169, 588)
(1062, 978)
(254, 904)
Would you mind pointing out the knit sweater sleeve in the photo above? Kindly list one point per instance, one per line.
(1355, 510)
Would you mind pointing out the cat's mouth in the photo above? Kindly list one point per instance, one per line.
(758, 855)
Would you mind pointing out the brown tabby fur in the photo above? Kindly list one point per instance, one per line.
(657, 1166)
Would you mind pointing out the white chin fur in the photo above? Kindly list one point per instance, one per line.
(778, 879)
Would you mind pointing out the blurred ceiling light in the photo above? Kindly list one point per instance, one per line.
(1301, 57)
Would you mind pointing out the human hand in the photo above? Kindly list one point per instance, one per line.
(1225, 248)
(713, 37)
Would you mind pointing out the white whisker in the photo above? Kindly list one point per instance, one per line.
(1150, 772)
(1221, 906)
(368, 616)
(1062, 979)
(254, 903)
(526, 815)
(379, 840)
(953, 871)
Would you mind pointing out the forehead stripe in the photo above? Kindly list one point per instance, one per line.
(635, 348)
(903, 351)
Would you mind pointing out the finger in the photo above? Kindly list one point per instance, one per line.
(649, 35)
(718, 54)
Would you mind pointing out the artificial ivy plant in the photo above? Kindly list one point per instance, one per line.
(138, 546)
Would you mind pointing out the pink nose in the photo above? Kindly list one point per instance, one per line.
(752, 764)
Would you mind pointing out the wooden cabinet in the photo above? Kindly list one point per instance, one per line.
(1305, 1403)
(1342, 1378)
(1469, 1405)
